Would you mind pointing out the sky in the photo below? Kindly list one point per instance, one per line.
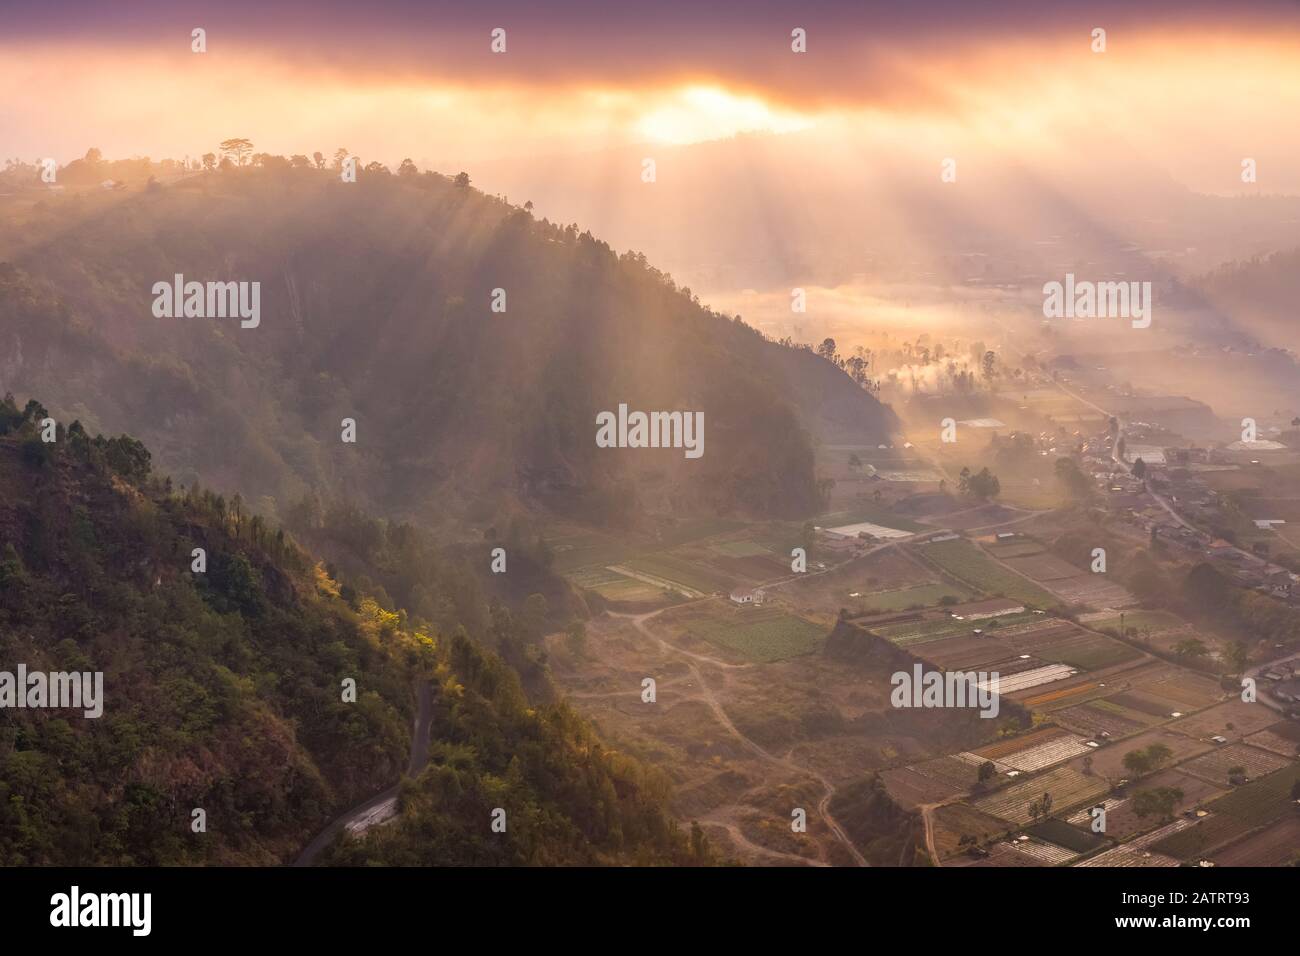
(1198, 85)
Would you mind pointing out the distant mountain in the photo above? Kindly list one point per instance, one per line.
(223, 690)
(1261, 295)
(376, 304)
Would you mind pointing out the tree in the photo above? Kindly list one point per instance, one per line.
(462, 180)
(1159, 802)
(989, 364)
(318, 159)
(986, 771)
(1139, 762)
(576, 638)
(984, 485)
(209, 161)
(407, 169)
(94, 156)
(1077, 484)
(237, 147)
(1139, 469)
(1041, 808)
(827, 349)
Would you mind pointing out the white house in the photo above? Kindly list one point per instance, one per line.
(746, 596)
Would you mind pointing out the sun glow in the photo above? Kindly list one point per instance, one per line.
(698, 113)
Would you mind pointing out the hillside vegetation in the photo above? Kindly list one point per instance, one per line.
(223, 691)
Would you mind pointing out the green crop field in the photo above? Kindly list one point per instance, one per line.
(922, 632)
(739, 549)
(968, 564)
(697, 577)
(615, 586)
(1089, 656)
(900, 599)
(761, 634)
(589, 549)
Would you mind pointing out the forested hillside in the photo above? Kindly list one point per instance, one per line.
(223, 689)
(376, 305)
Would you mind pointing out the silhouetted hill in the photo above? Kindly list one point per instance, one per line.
(376, 305)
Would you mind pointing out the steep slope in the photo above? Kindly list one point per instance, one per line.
(376, 305)
(223, 690)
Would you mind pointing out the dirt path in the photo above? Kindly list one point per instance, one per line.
(382, 806)
(927, 818)
(738, 836)
(714, 705)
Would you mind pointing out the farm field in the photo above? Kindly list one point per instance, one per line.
(1088, 652)
(901, 599)
(887, 569)
(967, 564)
(869, 514)
(1015, 548)
(966, 652)
(1053, 699)
(1235, 814)
(761, 634)
(1108, 761)
(1281, 738)
(1076, 839)
(574, 550)
(1277, 845)
(668, 567)
(937, 627)
(1214, 766)
(1231, 719)
(1068, 788)
(616, 587)
(956, 820)
(1103, 717)
(1047, 753)
(1139, 851)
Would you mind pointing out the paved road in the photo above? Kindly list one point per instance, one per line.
(383, 805)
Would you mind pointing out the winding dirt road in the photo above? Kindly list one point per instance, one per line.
(692, 662)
